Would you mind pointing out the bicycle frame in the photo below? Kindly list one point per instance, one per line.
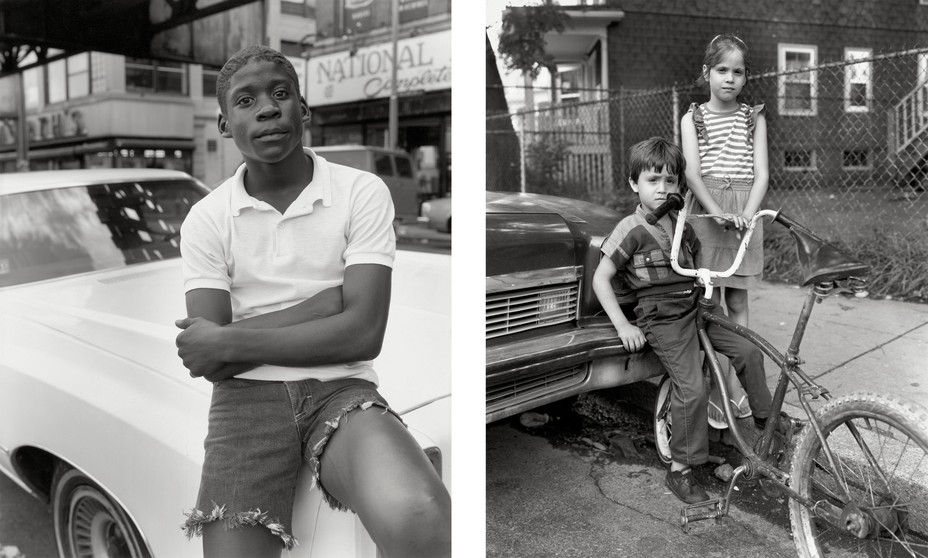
(790, 373)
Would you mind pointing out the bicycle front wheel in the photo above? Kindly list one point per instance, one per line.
(880, 448)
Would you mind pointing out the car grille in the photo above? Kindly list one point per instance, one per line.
(518, 310)
(516, 391)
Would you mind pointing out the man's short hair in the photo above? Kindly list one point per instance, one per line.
(243, 57)
(656, 153)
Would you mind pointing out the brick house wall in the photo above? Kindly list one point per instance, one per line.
(659, 44)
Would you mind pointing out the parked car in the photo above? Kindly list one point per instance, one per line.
(547, 337)
(436, 214)
(394, 166)
(100, 419)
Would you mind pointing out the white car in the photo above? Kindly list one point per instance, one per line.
(99, 417)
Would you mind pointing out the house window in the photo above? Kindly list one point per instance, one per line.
(856, 159)
(858, 85)
(798, 159)
(569, 77)
(156, 77)
(798, 89)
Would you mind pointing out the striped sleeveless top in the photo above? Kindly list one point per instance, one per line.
(726, 141)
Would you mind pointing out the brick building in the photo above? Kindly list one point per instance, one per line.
(859, 119)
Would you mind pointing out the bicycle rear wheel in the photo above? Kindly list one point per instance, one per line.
(663, 422)
(885, 467)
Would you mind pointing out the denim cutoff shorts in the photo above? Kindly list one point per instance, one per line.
(260, 434)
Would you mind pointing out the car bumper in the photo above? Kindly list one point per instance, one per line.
(526, 374)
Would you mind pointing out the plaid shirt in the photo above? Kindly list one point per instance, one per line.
(641, 254)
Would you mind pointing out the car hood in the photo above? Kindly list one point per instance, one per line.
(527, 232)
(128, 314)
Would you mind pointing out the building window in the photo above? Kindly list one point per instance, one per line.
(858, 85)
(570, 78)
(78, 68)
(798, 89)
(156, 77)
(297, 8)
(798, 159)
(56, 85)
(856, 159)
(31, 80)
(209, 82)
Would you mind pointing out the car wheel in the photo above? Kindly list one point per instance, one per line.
(88, 523)
(449, 225)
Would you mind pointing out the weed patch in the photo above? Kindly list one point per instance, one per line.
(899, 263)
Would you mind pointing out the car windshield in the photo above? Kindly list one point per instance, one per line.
(54, 233)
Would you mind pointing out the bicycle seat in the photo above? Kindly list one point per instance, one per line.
(820, 261)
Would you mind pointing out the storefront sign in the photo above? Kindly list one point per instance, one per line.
(364, 16)
(359, 16)
(424, 64)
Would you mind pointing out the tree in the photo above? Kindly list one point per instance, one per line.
(522, 37)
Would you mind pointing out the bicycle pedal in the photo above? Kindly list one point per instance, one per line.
(710, 509)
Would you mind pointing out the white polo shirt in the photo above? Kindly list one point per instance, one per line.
(268, 261)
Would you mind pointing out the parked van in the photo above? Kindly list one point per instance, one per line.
(394, 166)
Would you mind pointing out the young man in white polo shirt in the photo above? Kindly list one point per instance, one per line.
(287, 268)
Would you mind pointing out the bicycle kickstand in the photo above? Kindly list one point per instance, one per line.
(710, 509)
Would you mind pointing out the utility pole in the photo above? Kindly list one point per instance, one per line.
(394, 124)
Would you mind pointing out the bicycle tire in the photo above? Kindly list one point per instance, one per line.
(662, 421)
(896, 432)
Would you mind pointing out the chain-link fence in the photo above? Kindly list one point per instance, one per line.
(847, 143)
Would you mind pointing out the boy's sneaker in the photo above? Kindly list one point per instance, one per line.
(685, 486)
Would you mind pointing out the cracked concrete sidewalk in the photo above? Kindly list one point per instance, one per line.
(851, 344)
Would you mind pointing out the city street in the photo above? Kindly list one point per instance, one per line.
(25, 522)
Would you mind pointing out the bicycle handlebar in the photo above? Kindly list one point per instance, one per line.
(706, 275)
(674, 201)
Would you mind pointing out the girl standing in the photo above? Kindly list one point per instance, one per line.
(725, 145)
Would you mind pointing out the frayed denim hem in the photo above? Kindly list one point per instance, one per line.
(196, 519)
(330, 427)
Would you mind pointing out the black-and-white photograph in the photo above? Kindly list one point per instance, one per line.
(177, 377)
(706, 320)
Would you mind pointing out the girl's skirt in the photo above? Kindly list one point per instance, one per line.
(718, 244)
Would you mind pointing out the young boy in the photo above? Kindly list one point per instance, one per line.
(287, 268)
(637, 259)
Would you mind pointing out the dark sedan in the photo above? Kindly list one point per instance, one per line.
(547, 337)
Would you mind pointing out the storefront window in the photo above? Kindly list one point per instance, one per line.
(172, 159)
(338, 135)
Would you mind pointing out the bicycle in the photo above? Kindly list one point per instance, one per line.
(860, 464)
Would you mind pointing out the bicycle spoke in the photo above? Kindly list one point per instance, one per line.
(881, 470)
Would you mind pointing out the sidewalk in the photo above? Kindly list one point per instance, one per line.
(851, 344)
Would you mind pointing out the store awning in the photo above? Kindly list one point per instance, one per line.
(53, 152)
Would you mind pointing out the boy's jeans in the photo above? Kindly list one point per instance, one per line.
(669, 324)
